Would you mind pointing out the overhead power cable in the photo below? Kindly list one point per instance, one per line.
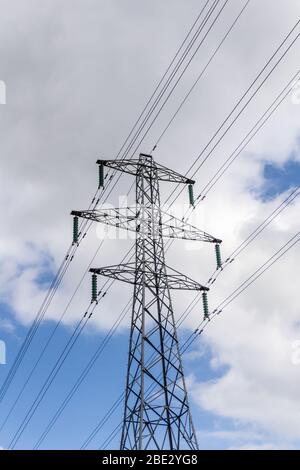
(249, 239)
(239, 102)
(204, 323)
(188, 94)
(54, 330)
(71, 251)
(56, 368)
(156, 103)
(249, 137)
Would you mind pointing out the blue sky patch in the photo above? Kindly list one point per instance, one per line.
(279, 179)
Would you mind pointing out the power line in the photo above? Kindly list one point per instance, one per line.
(239, 102)
(41, 312)
(282, 206)
(118, 402)
(90, 364)
(229, 31)
(48, 341)
(291, 197)
(56, 368)
(259, 229)
(179, 393)
(154, 106)
(279, 209)
(249, 137)
(241, 288)
(54, 371)
(165, 86)
(180, 76)
(201, 74)
(247, 283)
(162, 78)
(204, 323)
(243, 144)
(69, 256)
(84, 373)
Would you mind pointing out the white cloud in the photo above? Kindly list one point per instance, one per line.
(254, 338)
(267, 446)
(6, 325)
(77, 74)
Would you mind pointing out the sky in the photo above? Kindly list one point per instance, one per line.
(77, 75)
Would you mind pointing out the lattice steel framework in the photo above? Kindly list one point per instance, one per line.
(156, 410)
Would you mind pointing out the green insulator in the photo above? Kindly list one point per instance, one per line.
(205, 304)
(218, 256)
(94, 287)
(101, 176)
(75, 229)
(191, 195)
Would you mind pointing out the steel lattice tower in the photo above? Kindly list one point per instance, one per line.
(156, 411)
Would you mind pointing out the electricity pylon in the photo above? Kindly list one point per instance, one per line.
(156, 411)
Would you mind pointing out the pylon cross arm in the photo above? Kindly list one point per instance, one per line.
(128, 218)
(173, 227)
(127, 273)
(156, 409)
(133, 167)
(124, 218)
